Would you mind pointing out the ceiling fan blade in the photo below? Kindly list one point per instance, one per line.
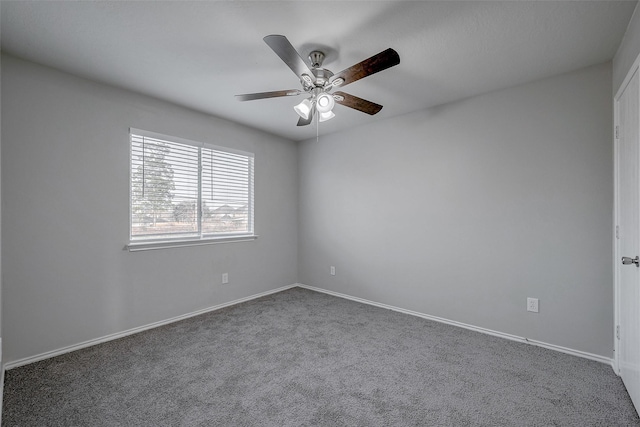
(376, 63)
(357, 103)
(305, 122)
(262, 95)
(283, 48)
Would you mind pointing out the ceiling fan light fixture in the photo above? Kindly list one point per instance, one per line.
(325, 103)
(327, 116)
(303, 109)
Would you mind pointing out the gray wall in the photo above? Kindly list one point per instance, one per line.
(460, 211)
(628, 51)
(65, 207)
(465, 210)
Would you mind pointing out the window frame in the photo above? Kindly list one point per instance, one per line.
(150, 242)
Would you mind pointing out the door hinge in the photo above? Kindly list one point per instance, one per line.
(617, 231)
(617, 132)
(618, 331)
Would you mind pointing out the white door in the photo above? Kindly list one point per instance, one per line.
(628, 248)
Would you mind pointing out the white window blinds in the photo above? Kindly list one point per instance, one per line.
(187, 190)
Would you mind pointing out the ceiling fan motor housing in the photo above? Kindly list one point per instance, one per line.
(321, 75)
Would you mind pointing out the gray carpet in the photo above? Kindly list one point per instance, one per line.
(301, 358)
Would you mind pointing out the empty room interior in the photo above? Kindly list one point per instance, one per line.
(332, 213)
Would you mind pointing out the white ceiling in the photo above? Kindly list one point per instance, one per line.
(200, 54)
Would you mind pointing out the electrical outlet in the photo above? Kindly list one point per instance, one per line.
(225, 278)
(532, 304)
(333, 270)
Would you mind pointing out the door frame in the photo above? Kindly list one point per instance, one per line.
(616, 214)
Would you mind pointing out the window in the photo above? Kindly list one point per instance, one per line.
(185, 191)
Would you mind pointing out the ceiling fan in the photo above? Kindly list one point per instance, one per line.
(318, 82)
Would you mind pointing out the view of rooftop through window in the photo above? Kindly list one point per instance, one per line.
(188, 191)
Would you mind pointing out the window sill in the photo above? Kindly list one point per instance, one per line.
(170, 244)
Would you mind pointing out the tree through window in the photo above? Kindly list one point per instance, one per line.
(186, 190)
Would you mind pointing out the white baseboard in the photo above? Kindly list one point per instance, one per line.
(53, 353)
(110, 337)
(511, 337)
